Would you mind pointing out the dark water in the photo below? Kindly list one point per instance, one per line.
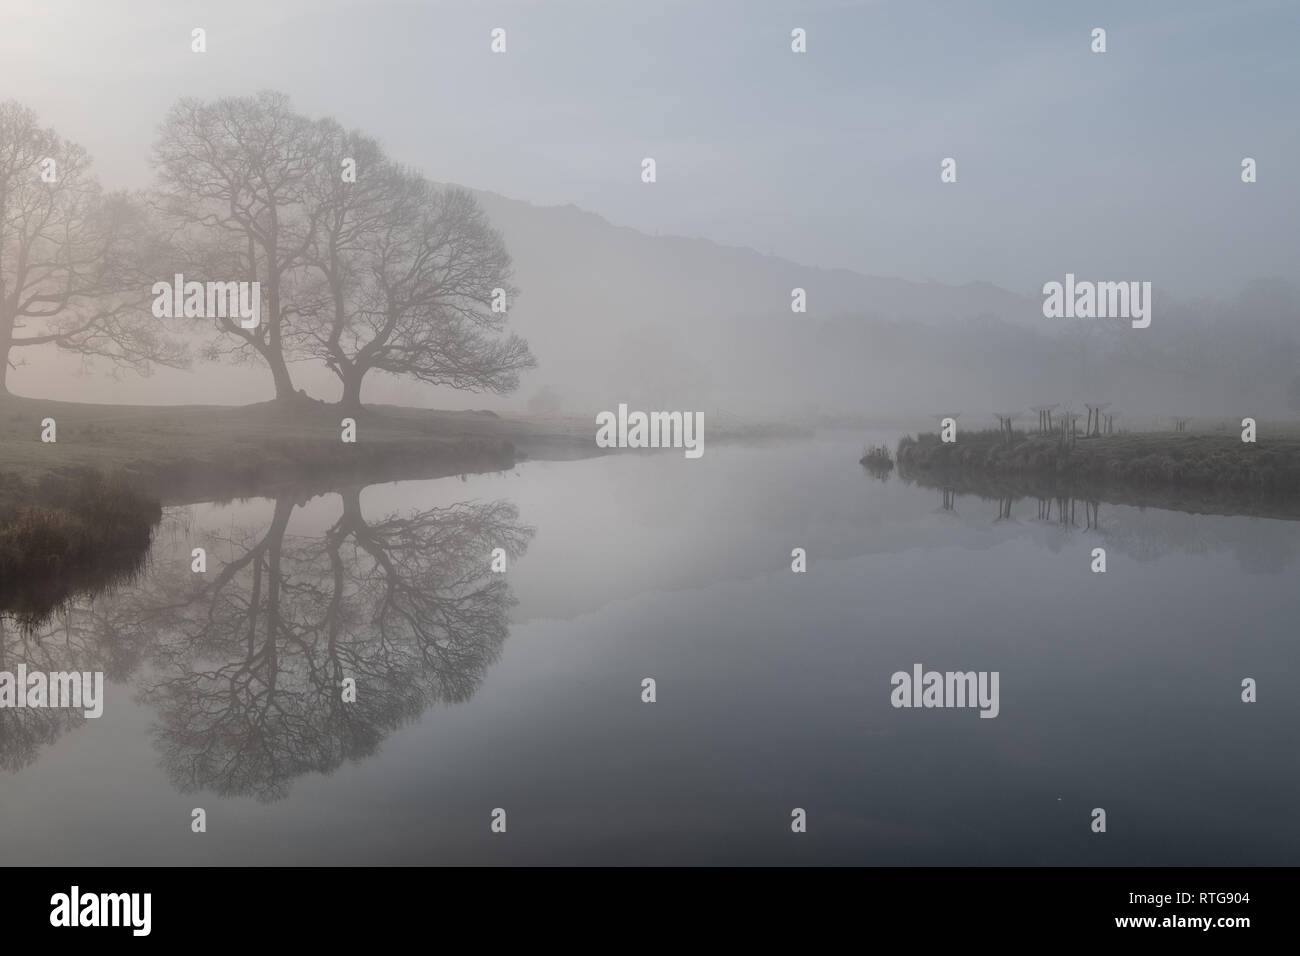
(522, 691)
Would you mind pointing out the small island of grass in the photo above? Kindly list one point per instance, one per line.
(1205, 472)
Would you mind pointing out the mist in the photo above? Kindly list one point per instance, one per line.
(699, 432)
(775, 172)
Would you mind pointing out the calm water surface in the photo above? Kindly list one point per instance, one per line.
(523, 691)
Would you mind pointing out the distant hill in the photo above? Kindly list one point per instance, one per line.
(614, 315)
(612, 312)
(647, 277)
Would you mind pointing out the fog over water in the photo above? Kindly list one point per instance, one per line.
(1117, 690)
(354, 649)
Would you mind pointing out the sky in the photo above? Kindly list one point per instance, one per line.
(1122, 165)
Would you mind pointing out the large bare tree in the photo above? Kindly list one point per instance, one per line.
(233, 179)
(75, 262)
(407, 275)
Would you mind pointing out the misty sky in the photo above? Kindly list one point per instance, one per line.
(1124, 165)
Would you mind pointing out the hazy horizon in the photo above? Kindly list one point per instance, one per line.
(832, 433)
(828, 159)
(1068, 162)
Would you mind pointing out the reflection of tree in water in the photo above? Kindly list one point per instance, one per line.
(24, 731)
(79, 636)
(247, 661)
(248, 687)
(1261, 545)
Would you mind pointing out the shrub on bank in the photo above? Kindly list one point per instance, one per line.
(68, 529)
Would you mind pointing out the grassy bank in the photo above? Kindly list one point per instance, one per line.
(67, 532)
(189, 453)
(78, 513)
(1202, 461)
(182, 454)
(1190, 471)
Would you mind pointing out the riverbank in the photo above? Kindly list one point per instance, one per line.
(79, 511)
(63, 533)
(182, 454)
(1199, 472)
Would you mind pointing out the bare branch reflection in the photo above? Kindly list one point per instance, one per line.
(244, 665)
(248, 682)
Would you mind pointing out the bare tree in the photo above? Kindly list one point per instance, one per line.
(1044, 416)
(233, 177)
(1094, 418)
(1005, 420)
(410, 280)
(1069, 427)
(73, 260)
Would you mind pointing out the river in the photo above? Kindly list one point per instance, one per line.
(522, 691)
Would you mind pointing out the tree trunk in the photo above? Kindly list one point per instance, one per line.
(280, 374)
(351, 400)
(6, 346)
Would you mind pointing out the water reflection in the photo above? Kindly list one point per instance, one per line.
(244, 666)
(1261, 546)
(779, 682)
(77, 636)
